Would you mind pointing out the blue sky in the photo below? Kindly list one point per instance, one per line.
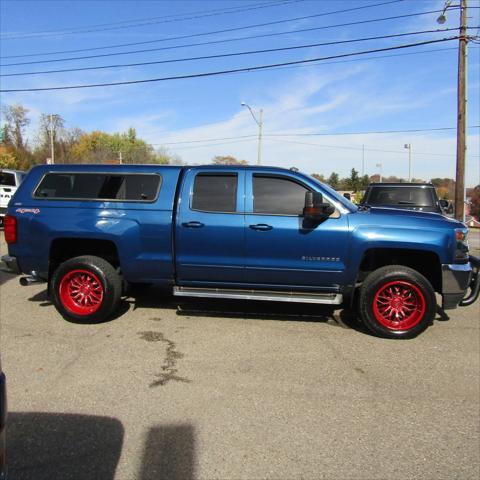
(398, 92)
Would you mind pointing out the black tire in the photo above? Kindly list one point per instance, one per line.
(393, 292)
(94, 273)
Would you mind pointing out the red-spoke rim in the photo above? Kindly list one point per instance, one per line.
(81, 292)
(399, 305)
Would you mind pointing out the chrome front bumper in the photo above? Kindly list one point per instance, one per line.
(474, 285)
(456, 280)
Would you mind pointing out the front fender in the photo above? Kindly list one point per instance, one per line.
(368, 237)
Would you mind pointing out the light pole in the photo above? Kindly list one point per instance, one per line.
(259, 122)
(408, 146)
(461, 106)
(363, 160)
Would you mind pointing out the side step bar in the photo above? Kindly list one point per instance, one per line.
(268, 295)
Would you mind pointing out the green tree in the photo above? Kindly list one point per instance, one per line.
(333, 180)
(364, 182)
(353, 182)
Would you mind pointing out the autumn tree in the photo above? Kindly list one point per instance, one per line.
(227, 160)
(7, 157)
(101, 147)
(16, 120)
(445, 187)
(475, 202)
(13, 131)
(319, 177)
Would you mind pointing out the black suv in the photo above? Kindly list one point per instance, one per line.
(409, 196)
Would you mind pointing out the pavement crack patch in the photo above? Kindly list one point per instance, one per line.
(169, 367)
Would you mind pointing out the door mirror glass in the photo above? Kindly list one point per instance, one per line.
(443, 204)
(315, 208)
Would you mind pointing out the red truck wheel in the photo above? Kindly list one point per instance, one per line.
(86, 289)
(397, 302)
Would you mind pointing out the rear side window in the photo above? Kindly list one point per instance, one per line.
(99, 186)
(7, 179)
(278, 196)
(215, 193)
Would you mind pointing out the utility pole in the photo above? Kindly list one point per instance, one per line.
(379, 165)
(461, 115)
(461, 106)
(52, 147)
(120, 159)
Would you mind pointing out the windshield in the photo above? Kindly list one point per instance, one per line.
(398, 196)
(7, 179)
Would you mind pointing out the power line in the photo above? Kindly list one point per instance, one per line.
(226, 72)
(224, 55)
(289, 32)
(362, 148)
(66, 29)
(167, 19)
(368, 133)
(215, 144)
(377, 132)
(367, 59)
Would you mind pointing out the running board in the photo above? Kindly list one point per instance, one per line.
(268, 295)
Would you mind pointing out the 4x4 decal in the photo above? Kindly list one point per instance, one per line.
(28, 210)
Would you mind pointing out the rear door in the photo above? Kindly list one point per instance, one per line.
(284, 251)
(209, 236)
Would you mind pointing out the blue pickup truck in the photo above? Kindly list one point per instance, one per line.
(252, 233)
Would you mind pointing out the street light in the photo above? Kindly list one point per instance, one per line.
(408, 146)
(259, 122)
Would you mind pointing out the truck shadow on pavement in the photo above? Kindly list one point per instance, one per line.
(154, 297)
(60, 446)
(247, 309)
(51, 446)
(169, 453)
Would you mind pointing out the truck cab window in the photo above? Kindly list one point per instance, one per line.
(213, 192)
(278, 196)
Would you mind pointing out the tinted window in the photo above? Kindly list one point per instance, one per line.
(215, 192)
(388, 195)
(101, 186)
(7, 179)
(278, 196)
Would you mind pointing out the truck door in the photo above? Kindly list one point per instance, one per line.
(210, 239)
(281, 250)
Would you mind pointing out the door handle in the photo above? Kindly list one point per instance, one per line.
(261, 226)
(192, 224)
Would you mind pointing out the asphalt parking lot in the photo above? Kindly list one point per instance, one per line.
(232, 390)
